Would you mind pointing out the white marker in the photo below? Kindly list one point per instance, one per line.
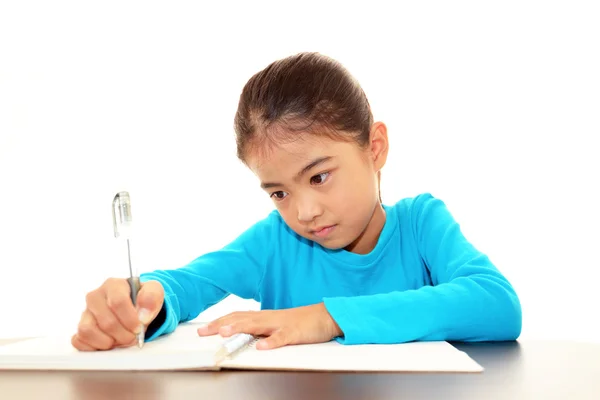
(232, 345)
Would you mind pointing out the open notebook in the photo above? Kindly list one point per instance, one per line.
(185, 350)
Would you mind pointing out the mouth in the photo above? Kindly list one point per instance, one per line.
(323, 231)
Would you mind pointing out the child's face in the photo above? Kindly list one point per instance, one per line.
(325, 190)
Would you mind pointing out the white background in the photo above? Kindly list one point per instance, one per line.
(492, 107)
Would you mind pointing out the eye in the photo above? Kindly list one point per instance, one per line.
(279, 195)
(319, 179)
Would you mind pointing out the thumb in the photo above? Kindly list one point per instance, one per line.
(150, 300)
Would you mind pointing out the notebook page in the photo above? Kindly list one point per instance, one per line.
(182, 349)
(332, 356)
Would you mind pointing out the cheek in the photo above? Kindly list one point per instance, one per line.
(355, 201)
(289, 213)
(355, 193)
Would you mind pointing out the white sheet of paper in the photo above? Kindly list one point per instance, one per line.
(184, 349)
(332, 356)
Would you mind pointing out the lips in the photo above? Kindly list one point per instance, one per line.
(323, 231)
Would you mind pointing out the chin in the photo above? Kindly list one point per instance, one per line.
(334, 244)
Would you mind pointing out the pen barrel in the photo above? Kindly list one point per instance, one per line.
(134, 286)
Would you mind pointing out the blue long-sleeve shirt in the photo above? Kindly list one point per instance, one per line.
(423, 280)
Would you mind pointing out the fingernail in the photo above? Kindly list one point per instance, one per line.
(203, 329)
(262, 344)
(144, 316)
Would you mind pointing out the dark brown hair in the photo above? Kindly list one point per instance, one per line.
(304, 93)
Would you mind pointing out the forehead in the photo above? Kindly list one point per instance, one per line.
(283, 159)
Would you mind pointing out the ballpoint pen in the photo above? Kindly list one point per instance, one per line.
(232, 345)
(122, 225)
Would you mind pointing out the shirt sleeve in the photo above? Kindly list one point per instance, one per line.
(237, 269)
(470, 300)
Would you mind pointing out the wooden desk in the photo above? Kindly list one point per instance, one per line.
(514, 370)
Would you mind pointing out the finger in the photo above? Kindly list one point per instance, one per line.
(279, 338)
(106, 320)
(150, 300)
(213, 327)
(90, 334)
(133, 342)
(80, 345)
(254, 323)
(244, 325)
(118, 300)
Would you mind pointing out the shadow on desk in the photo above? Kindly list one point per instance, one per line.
(492, 354)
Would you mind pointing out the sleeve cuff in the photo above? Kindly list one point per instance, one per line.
(165, 321)
(336, 308)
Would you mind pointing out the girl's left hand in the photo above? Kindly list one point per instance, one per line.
(308, 324)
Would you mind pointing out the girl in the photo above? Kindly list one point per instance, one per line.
(331, 261)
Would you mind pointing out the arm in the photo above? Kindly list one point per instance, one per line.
(236, 269)
(470, 300)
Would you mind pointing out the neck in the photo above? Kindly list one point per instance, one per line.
(367, 240)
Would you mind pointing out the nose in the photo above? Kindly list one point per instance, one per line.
(308, 209)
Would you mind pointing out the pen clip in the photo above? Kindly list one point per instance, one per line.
(114, 214)
(121, 211)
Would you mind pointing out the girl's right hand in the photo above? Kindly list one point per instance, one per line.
(111, 320)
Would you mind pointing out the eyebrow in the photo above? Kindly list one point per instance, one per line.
(308, 167)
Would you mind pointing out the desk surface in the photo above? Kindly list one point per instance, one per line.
(513, 370)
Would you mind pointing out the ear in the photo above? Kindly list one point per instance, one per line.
(378, 145)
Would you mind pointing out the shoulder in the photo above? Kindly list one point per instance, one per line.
(417, 205)
(422, 210)
(271, 223)
(271, 228)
